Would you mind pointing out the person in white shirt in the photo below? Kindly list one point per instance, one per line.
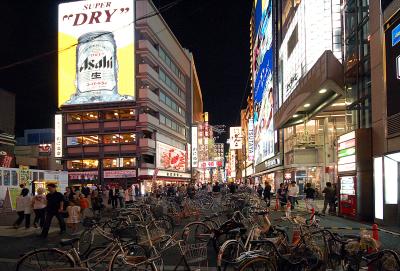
(74, 215)
(24, 207)
(293, 192)
(39, 207)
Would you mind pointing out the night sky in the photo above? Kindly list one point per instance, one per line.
(216, 32)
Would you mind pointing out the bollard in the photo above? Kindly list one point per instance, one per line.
(312, 217)
(375, 232)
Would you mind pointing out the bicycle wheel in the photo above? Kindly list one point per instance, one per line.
(258, 263)
(98, 259)
(44, 259)
(229, 252)
(386, 261)
(131, 255)
(166, 225)
(196, 232)
(85, 241)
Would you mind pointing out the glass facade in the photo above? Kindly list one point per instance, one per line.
(164, 98)
(171, 84)
(357, 63)
(171, 64)
(122, 114)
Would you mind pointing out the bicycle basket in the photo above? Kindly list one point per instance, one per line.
(195, 253)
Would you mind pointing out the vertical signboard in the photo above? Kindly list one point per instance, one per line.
(263, 61)
(250, 140)
(96, 52)
(58, 142)
(347, 152)
(232, 163)
(235, 138)
(195, 158)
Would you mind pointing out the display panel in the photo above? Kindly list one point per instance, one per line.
(378, 187)
(263, 87)
(235, 138)
(96, 52)
(170, 158)
(391, 170)
(250, 140)
(392, 40)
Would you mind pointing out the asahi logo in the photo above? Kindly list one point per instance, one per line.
(92, 64)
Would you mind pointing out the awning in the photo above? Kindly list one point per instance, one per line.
(327, 74)
(271, 170)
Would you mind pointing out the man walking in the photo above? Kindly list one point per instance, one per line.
(55, 206)
(267, 193)
(293, 191)
(329, 192)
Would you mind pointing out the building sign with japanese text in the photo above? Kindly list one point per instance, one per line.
(235, 138)
(58, 141)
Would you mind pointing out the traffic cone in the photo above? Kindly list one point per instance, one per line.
(312, 217)
(296, 237)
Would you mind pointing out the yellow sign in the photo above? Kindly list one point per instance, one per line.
(23, 175)
(14, 193)
(96, 61)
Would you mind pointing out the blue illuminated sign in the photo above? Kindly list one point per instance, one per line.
(396, 35)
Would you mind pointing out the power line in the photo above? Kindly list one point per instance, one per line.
(34, 58)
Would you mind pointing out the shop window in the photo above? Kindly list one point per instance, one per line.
(111, 115)
(90, 140)
(129, 162)
(14, 178)
(74, 117)
(41, 175)
(90, 116)
(74, 140)
(7, 177)
(82, 164)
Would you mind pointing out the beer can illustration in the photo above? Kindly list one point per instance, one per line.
(96, 63)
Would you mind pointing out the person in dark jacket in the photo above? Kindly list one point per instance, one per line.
(267, 193)
(282, 195)
(310, 197)
(260, 190)
(216, 188)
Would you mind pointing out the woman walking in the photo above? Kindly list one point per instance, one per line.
(39, 207)
(24, 206)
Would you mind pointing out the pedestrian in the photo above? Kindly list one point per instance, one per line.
(267, 193)
(137, 194)
(209, 189)
(54, 208)
(86, 191)
(329, 199)
(112, 197)
(39, 207)
(84, 204)
(24, 207)
(310, 197)
(293, 191)
(128, 195)
(260, 190)
(282, 195)
(69, 194)
(216, 188)
(120, 196)
(97, 201)
(74, 215)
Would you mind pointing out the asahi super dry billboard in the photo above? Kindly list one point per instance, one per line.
(96, 52)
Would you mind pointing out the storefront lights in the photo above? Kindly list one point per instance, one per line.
(307, 105)
(378, 188)
(391, 176)
(322, 91)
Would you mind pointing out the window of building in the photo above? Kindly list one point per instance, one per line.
(171, 84)
(125, 114)
(149, 159)
(116, 162)
(164, 98)
(90, 116)
(172, 125)
(82, 140)
(171, 64)
(14, 178)
(83, 164)
(7, 177)
(74, 117)
(111, 115)
(119, 138)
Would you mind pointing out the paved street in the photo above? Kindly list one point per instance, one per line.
(18, 241)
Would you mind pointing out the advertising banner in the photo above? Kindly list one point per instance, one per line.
(235, 138)
(119, 174)
(23, 175)
(195, 158)
(170, 158)
(96, 60)
(263, 88)
(58, 133)
(210, 164)
(250, 140)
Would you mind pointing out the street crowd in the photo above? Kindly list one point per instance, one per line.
(79, 202)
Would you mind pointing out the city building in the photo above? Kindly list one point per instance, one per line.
(140, 133)
(36, 150)
(7, 128)
(382, 31)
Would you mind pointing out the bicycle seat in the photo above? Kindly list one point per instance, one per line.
(237, 231)
(69, 242)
